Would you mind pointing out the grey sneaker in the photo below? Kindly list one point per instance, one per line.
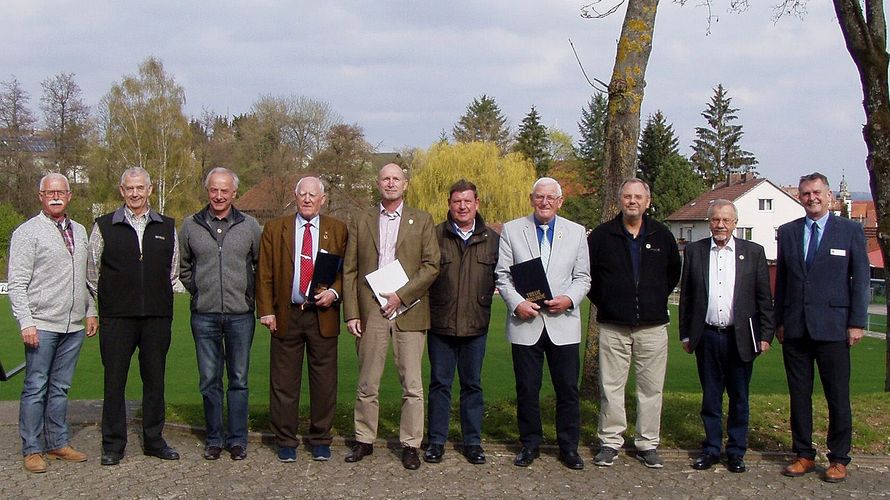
(650, 459)
(605, 456)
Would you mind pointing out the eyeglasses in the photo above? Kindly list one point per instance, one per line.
(54, 193)
(725, 222)
(548, 198)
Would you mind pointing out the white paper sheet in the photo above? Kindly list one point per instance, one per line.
(388, 279)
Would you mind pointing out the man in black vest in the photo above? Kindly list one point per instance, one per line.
(134, 260)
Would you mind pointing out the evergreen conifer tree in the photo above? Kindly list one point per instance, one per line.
(533, 142)
(717, 149)
(658, 144)
(671, 178)
(483, 121)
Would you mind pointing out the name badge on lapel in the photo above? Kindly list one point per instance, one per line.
(840, 252)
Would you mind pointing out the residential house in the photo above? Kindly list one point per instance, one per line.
(762, 207)
(273, 196)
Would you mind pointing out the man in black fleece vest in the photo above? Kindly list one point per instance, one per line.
(134, 260)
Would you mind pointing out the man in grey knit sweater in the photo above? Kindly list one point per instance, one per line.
(49, 298)
(219, 248)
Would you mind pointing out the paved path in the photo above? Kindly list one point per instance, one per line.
(382, 476)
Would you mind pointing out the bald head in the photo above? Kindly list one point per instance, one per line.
(391, 182)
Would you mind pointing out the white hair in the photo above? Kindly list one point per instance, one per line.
(136, 172)
(547, 181)
(221, 170)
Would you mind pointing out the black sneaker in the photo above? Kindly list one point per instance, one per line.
(650, 459)
(605, 457)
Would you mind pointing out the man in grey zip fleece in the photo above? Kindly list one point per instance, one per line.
(49, 298)
(219, 247)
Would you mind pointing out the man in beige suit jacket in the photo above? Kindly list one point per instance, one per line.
(376, 238)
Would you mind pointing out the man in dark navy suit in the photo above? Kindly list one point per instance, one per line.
(822, 280)
(726, 319)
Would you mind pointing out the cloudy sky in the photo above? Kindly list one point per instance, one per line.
(405, 71)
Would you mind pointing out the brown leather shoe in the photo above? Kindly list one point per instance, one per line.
(35, 463)
(835, 473)
(67, 454)
(410, 459)
(360, 451)
(799, 467)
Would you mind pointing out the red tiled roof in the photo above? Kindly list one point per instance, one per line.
(260, 197)
(697, 209)
(876, 259)
(864, 212)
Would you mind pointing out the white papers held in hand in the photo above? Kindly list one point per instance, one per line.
(388, 279)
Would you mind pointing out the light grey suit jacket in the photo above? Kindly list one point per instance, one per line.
(568, 273)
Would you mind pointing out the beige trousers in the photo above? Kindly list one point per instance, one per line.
(646, 349)
(372, 349)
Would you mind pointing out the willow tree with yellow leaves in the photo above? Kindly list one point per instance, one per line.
(503, 181)
(626, 90)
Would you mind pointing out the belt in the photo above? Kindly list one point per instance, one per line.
(721, 329)
(305, 306)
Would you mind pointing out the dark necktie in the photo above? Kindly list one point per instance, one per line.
(813, 245)
(306, 260)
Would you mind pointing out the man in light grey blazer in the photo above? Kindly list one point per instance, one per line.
(553, 330)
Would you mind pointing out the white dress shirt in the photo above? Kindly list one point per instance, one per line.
(721, 283)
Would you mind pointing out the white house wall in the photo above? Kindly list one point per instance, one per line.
(763, 224)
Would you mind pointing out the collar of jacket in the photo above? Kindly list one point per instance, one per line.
(616, 225)
(478, 229)
(200, 218)
(120, 216)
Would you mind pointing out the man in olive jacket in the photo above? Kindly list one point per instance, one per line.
(460, 310)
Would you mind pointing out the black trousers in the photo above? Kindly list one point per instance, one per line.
(720, 369)
(118, 340)
(833, 361)
(528, 367)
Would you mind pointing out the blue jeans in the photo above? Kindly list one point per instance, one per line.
(224, 340)
(464, 353)
(49, 368)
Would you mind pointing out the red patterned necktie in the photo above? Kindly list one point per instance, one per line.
(306, 260)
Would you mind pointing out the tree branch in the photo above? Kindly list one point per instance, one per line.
(604, 85)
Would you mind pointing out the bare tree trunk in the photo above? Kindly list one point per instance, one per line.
(866, 37)
(622, 134)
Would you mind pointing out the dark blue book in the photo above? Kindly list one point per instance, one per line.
(530, 281)
(327, 265)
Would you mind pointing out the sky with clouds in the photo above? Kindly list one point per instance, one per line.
(406, 70)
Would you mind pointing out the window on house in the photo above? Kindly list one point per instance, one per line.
(743, 233)
(765, 204)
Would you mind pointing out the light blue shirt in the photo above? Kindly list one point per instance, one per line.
(296, 296)
(808, 228)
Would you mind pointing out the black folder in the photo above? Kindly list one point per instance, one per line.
(327, 265)
(531, 281)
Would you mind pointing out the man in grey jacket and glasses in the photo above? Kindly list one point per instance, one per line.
(49, 298)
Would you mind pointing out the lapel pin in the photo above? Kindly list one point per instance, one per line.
(410, 221)
(648, 245)
(325, 235)
(741, 257)
(559, 235)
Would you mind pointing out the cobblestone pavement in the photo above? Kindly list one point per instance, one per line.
(382, 476)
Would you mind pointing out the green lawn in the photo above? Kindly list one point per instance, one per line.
(681, 425)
